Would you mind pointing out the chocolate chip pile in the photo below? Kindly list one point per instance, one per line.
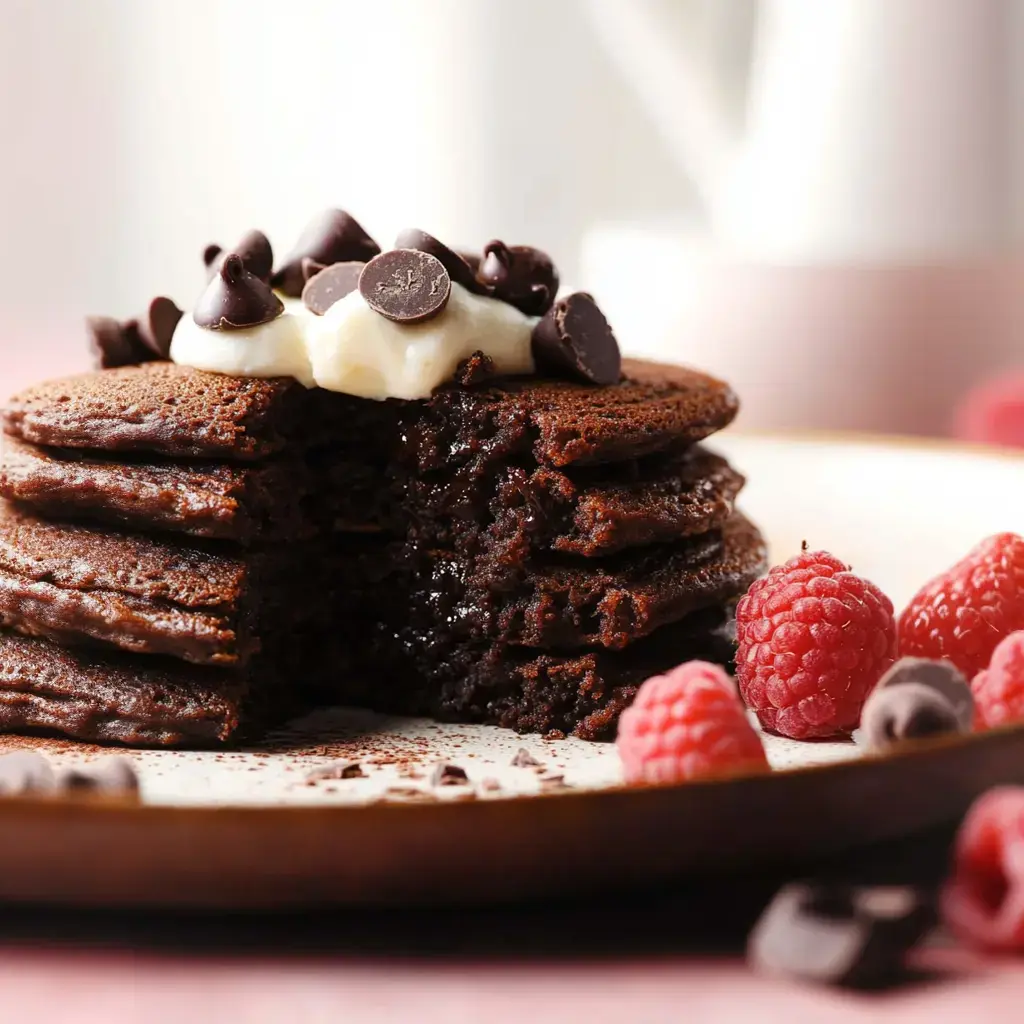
(408, 284)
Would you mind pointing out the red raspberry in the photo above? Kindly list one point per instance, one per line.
(962, 614)
(983, 901)
(999, 689)
(687, 724)
(814, 639)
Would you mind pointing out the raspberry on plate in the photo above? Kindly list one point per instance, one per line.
(962, 614)
(813, 640)
(983, 900)
(687, 724)
(999, 689)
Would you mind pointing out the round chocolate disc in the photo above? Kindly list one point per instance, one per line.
(574, 338)
(405, 285)
(329, 285)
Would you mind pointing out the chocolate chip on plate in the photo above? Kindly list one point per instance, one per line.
(405, 285)
(851, 936)
(26, 772)
(905, 711)
(448, 775)
(941, 676)
(460, 270)
(574, 338)
(329, 285)
(524, 759)
(254, 248)
(111, 776)
(332, 237)
(235, 299)
(520, 275)
(341, 770)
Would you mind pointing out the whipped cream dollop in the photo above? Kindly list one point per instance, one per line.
(354, 350)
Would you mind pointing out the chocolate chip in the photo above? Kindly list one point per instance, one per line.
(405, 285)
(343, 770)
(25, 772)
(332, 283)
(490, 785)
(311, 267)
(113, 776)
(459, 268)
(474, 261)
(156, 327)
(524, 759)
(130, 342)
(520, 275)
(333, 237)
(943, 677)
(905, 711)
(841, 935)
(575, 338)
(254, 249)
(236, 298)
(448, 775)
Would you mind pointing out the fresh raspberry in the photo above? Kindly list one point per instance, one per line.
(983, 900)
(999, 689)
(814, 639)
(962, 614)
(687, 724)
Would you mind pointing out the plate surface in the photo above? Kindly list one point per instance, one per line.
(263, 827)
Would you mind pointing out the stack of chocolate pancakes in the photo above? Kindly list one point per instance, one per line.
(188, 558)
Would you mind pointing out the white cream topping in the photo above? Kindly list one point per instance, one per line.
(274, 349)
(354, 350)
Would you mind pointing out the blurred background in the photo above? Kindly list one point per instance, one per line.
(821, 201)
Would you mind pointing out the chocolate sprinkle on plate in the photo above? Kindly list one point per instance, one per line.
(448, 775)
(460, 270)
(520, 275)
(329, 285)
(333, 237)
(253, 247)
(574, 338)
(405, 285)
(236, 299)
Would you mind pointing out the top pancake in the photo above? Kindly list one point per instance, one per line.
(173, 410)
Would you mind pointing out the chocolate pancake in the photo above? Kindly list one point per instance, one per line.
(278, 500)
(115, 698)
(571, 603)
(164, 408)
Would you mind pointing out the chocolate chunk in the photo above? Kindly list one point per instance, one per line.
(111, 776)
(906, 711)
(131, 342)
(25, 772)
(834, 934)
(520, 275)
(459, 268)
(342, 770)
(332, 283)
(156, 327)
(333, 237)
(524, 759)
(943, 677)
(236, 298)
(475, 370)
(405, 285)
(254, 249)
(311, 267)
(448, 775)
(574, 338)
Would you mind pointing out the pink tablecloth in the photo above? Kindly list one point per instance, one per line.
(40, 987)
